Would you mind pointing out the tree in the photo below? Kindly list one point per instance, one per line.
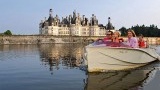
(123, 31)
(147, 31)
(8, 32)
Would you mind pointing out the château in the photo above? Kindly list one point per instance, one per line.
(73, 25)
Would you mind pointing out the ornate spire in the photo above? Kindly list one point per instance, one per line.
(109, 25)
(109, 20)
(50, 12)
(50, 19)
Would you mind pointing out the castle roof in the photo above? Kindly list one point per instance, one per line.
(109, 26)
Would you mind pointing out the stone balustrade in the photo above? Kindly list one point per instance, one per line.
(42, 39)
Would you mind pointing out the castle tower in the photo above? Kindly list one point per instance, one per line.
(109, 25)
(50, 19)
(50, 12)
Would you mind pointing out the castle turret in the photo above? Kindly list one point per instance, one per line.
(50, 19)
(50, 12)
(73, 21)
(109, 25)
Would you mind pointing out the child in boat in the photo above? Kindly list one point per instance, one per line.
(116, 37)
(132, 40)
(141, 42)
(116, 40)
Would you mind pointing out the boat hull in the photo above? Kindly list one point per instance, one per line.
(102, 59)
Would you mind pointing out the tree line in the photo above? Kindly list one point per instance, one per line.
(7, 32)
(146, 31)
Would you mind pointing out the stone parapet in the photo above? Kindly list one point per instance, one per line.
(43, 39)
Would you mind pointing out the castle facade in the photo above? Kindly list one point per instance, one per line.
(73, 25)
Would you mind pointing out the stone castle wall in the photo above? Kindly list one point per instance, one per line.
(42, 39)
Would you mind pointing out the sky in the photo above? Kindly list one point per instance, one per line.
(23, 16)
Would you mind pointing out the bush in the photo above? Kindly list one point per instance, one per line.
(8, 32)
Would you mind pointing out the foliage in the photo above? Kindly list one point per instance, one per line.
(123, 31)
(8, 32)
(147, 31)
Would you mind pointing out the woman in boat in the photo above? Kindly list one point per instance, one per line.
(132, 40)
(141, 42)
(116, 40)
(116, 37)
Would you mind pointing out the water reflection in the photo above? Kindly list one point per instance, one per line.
(61, 55)
(8, 52)
(28, 65)
(124, 80)
(19, 66)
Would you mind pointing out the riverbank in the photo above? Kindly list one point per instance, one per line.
(38, 39)
(49, 39)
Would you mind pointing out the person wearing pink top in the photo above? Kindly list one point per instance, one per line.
(132, 40)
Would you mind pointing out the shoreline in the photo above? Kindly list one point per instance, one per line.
(50, 39)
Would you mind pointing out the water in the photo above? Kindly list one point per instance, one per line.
(56, 67)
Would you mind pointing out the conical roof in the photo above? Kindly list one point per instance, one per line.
(109, 26)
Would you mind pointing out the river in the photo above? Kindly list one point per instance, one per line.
(57, 67)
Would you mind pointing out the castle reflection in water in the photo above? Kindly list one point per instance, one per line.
(57, 55)
(52, 55)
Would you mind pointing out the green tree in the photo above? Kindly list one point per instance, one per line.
(123, 31)
(8, 32)
(147, 31)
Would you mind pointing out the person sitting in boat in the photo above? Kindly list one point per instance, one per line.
(108, 36)
(116, 37)
(105, 40)
(132, 40)
(141, 42)
(98, 42)
(116, 40)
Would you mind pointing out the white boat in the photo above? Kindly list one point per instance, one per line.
(101, 58)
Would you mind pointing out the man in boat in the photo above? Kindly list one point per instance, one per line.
(108, 36)
(105, 40)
